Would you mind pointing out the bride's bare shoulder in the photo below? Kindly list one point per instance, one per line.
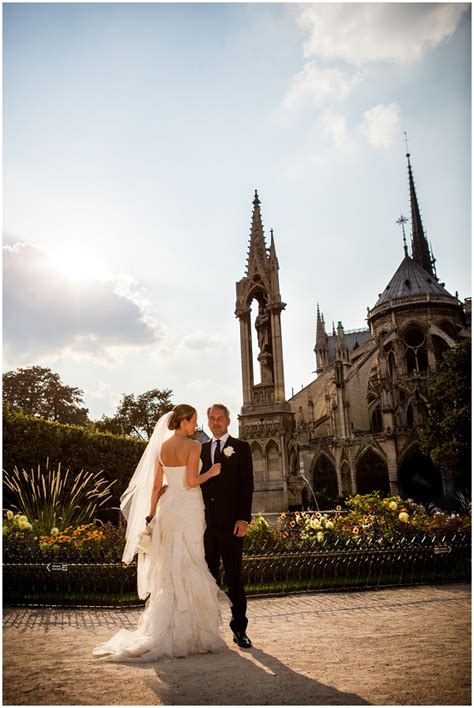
(195, 446)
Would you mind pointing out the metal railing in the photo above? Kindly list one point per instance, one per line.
(358, 564)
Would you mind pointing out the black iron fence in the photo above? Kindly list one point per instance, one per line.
(360, 564)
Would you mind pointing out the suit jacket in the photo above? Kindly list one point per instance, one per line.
(228, 497)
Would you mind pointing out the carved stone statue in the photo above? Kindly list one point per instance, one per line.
(262, 325)
(265, 357)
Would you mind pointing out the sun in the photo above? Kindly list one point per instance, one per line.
(77, 264)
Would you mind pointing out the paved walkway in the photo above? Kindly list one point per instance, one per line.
(404, 646)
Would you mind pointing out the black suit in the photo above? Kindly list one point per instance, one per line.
(227, 499)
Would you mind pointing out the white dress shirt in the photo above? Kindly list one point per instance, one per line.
(221, 440)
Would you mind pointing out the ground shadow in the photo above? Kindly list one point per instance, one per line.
(250, 677)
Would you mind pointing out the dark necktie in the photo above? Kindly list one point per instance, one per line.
(217, 452)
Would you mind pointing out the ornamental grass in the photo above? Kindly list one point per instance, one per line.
(55, 499)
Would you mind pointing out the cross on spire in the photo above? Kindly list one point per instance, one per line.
(406, 142)
(402, 221)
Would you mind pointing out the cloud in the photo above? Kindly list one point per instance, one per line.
(365, 32)
(313, 85)
(105, 395)
(381, 124)
(334, 126)
(202, 342)
(48, 315)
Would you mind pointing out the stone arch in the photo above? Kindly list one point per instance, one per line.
(440, 345)
(372, 473)
(449, 329)
(324, 477)
(258, 461)
(417, 476)
(272, 454)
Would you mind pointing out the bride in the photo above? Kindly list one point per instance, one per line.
(182, 611)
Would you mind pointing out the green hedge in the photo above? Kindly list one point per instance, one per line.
(29, 442)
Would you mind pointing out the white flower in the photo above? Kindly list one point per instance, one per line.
(393, 505)
(329, 525)
(228, 451)
(23, 522)
(55, 531)
(9, 515)
(320, 537)
(144, 542)
(403, 516)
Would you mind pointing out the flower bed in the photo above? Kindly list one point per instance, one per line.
(376, 542)
(369, 518)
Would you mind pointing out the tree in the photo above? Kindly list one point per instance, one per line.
(446, 434)
(39, 392)
(137, 415)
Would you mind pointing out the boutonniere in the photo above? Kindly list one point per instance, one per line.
(228, 451)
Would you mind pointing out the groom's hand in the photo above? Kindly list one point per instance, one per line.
(240, 528)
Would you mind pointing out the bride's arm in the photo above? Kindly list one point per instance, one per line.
(157, 484)
(193, 478)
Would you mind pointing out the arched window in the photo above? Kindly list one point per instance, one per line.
(325, 478)
(376, 420)
(372, 474)
(258, 462)
(415, 350)
(273, 461)
(392, 369)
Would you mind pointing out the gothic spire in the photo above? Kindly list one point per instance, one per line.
(420, 249)
(257, 254)
(272, 251)
(320, 330)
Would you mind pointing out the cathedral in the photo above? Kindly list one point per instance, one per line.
(354, 428)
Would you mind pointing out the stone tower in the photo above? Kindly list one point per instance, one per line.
(266, 420)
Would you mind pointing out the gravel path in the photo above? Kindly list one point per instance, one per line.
(404, 646)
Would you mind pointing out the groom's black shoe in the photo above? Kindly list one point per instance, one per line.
(242, 640)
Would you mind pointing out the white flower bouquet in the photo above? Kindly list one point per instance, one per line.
(144, 541)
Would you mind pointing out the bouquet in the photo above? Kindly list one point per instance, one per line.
(144, 539)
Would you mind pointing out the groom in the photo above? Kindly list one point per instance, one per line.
(228, 503)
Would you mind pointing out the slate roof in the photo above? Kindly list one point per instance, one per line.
(353, 339)
(411, 279)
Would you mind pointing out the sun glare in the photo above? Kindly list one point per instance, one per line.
(77, 264)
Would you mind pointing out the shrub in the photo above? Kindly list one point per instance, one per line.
(29, 442)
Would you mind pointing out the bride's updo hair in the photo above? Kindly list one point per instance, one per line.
(180, 413)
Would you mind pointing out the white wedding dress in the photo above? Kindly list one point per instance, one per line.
(182, 614)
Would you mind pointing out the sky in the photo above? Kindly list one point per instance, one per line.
(135, 136)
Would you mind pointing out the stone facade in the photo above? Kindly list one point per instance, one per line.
(354, 428)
